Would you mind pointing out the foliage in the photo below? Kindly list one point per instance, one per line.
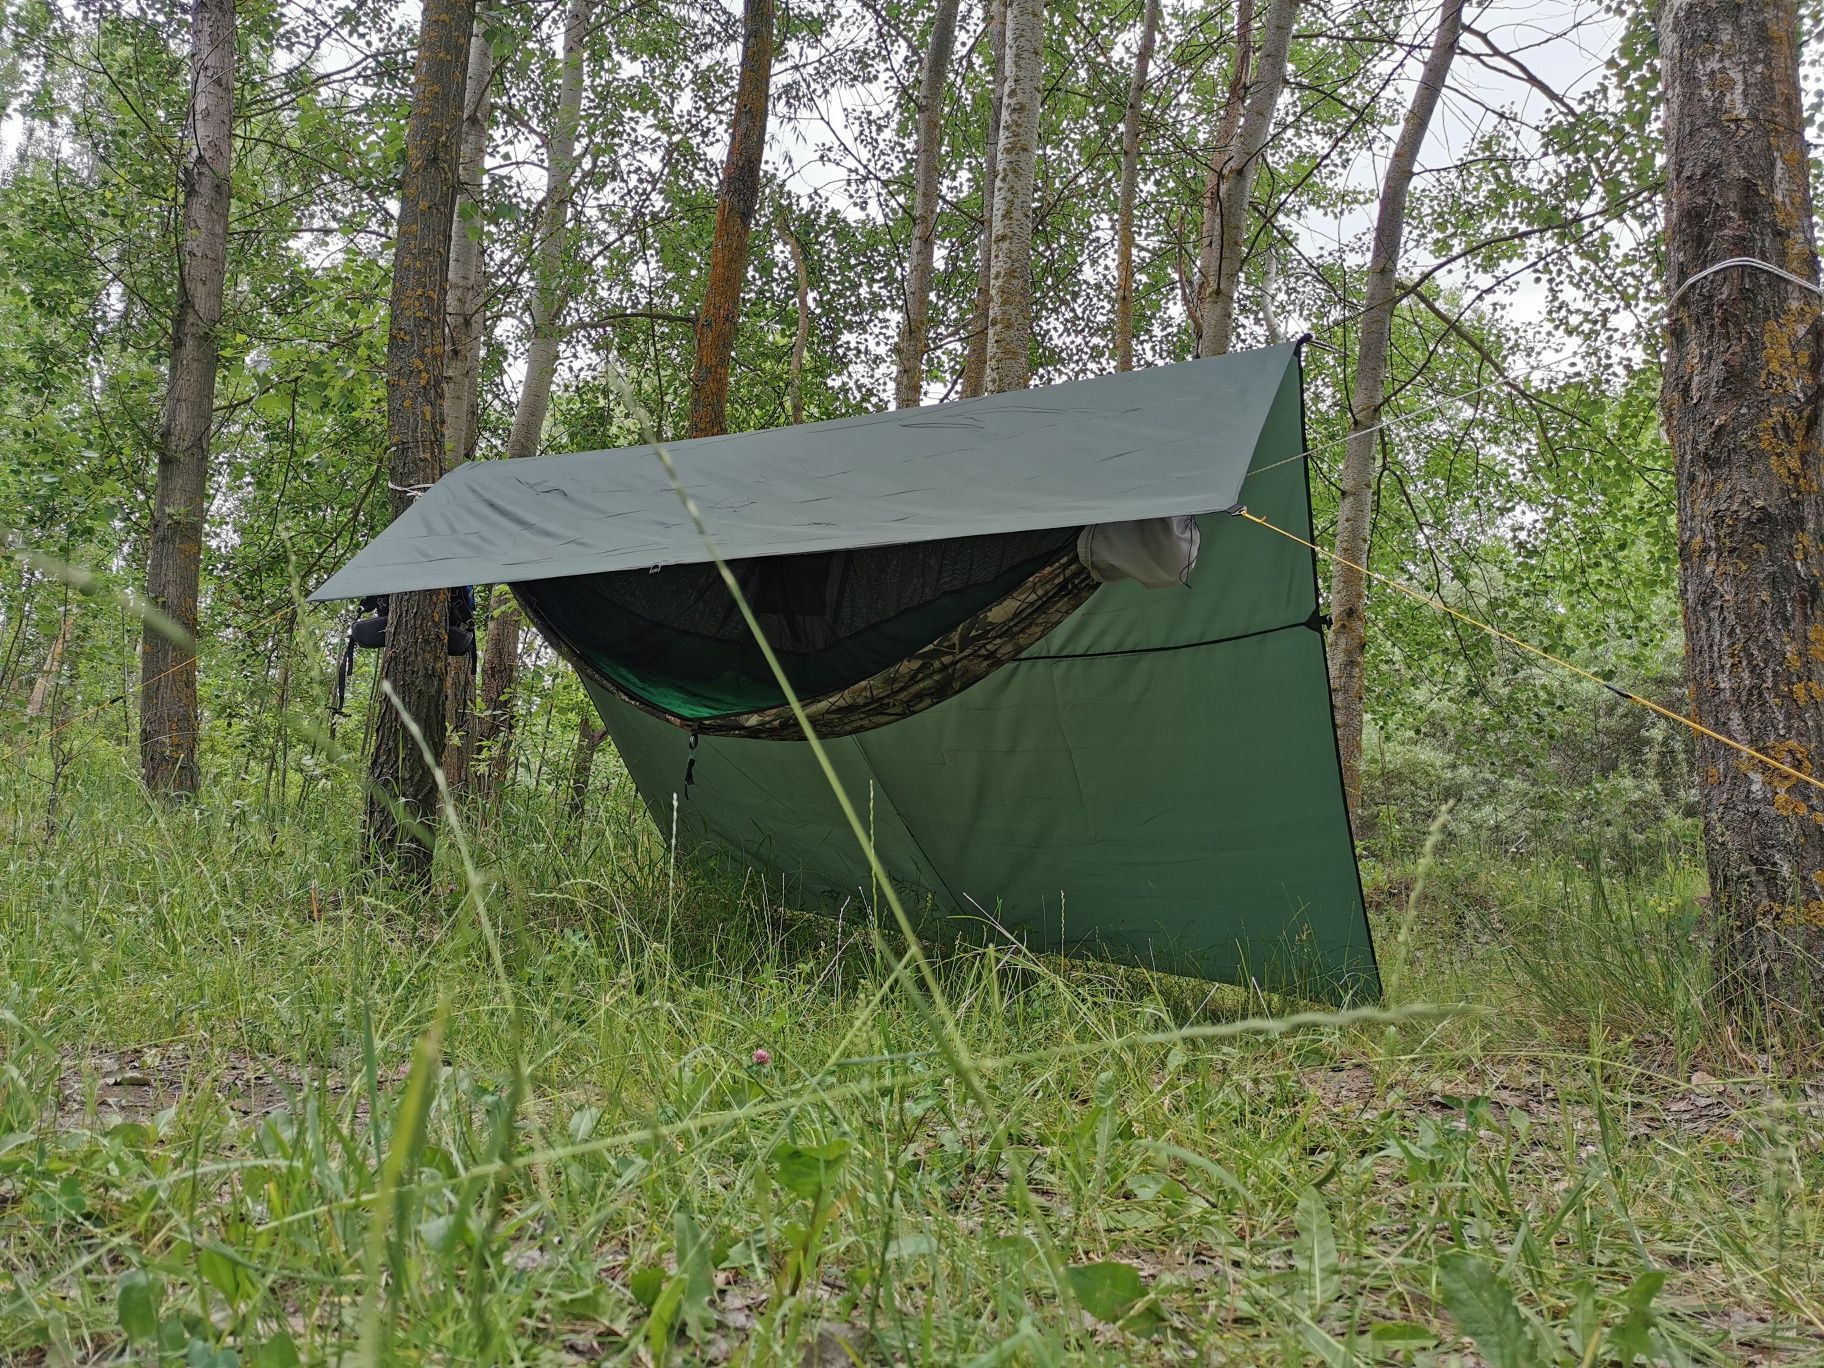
(219, 1107)
(209, 1028)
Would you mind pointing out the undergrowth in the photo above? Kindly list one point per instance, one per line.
(593, 1105)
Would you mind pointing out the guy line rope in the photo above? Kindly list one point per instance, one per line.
(1498, 634)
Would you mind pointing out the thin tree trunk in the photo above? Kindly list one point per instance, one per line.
(1740, 396)
(1209, 233)
(168, 711)
(53, 658)
(402, 793)
(1130, 176)
(975, 363)
(1232, 179)
(493, 724)
(1010, 280)
(17, 617)
(463, 365)
(801, 339)
(589, 735)
(494, 717)
(913, 334)
(1355, 507)
(735, 204)
(550, 290)
(463, 368)
(1269, 281)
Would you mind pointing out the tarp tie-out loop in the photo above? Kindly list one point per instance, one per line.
(412, 490)
(1432, 601)
(1236, 510)
(1753, 262)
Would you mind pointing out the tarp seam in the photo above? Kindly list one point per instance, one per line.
(937, 870)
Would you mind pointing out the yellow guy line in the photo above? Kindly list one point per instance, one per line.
(1563, 664)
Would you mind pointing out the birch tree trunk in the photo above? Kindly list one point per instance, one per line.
(168, 719)
(1740, 397)
(910, 382)
(463, 367)
(44, 685)
(720, 315)
(975, 364)
(1209, 234)
(402, 791)
(493, 725)
(1232, 180)
(1130, 176)
(802, 337)
(550, 288)
(1009, 364)
(1355, 507)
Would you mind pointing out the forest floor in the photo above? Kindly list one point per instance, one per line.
(580, 1104)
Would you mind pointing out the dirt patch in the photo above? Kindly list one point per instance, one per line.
(108, 1087)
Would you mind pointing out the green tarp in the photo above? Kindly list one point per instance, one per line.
(1155, 781)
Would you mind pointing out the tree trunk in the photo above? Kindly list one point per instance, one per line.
(550, 289)
(550, 296)
(589, 735)
(1209, 233)
(975, 364)
(43, 687)
(459, 719)
(802, 337)
(402, 791)
(1232, 178)
(494, 716)
(1740, 396)
(463, 368)
(1355, 507)
(174, 559)
(735, 205)
(1130, 176)
(1009, 364)
(912, 336)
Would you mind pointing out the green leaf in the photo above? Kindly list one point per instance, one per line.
(583, 1122)
(1112, 1291)
(646, 1285)
(911, 1247)
(1485, 1310)
(664, 1318)
(1401, 1335)
(221, 1273)
(137, 1296)
(1634, 1336)
(278, 1352)
(808, 1170)
(1314, 1252)
(696, 1267)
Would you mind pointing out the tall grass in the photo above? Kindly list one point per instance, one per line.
(584, 1102)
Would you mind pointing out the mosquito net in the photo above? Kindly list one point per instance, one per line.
(856, 632)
